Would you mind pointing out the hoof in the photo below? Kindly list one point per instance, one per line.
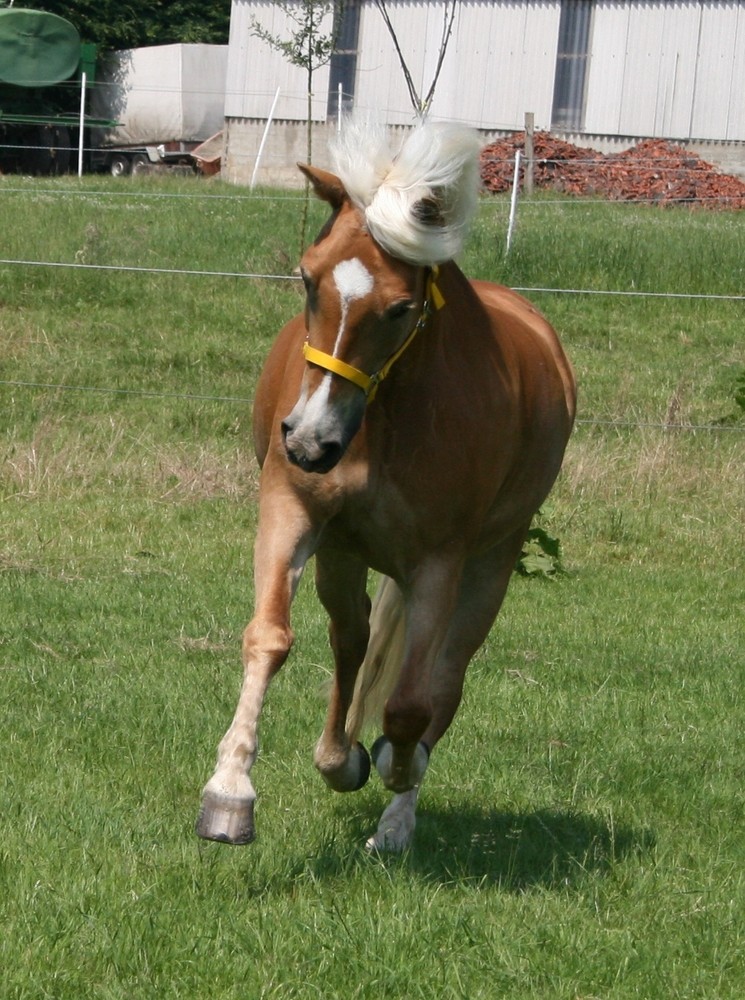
(395, 778)
(362, 758)
(228, 821)
(396, 828)
(353, 774)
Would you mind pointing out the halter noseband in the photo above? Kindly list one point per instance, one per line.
(369, 383)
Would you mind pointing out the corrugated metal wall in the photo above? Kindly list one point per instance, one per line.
(500, 61)
(672, 69)
(667, 69)
(256, 70)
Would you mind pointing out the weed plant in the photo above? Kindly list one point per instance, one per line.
(580, 829)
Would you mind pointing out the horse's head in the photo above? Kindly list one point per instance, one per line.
(361, 306)
(368, 276)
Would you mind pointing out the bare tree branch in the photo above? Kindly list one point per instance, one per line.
(421, 107)
(451, 8)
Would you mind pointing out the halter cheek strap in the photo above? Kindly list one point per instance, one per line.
(369, 383)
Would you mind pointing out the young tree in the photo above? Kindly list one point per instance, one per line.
(309, 46)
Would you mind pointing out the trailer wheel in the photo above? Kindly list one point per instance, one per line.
(140, 164)
(119, 165)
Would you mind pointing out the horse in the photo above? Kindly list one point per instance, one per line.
(409, 421)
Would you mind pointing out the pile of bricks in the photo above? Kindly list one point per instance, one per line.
(654, 171)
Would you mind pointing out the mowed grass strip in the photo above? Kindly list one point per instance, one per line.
(580, 829)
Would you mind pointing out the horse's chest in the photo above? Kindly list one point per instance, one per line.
(392, 529)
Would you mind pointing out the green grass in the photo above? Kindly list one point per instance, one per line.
(580, 830)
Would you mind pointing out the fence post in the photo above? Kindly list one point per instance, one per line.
(83, 83)
(263, 140)
(513, 202)
(529, 151)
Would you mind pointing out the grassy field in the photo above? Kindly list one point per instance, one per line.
(581, 826)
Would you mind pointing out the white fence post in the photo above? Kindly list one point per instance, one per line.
(513, 202)
(82, 124)
(263, 139)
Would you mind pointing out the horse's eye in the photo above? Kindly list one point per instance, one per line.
(310, 288)
(399, 310)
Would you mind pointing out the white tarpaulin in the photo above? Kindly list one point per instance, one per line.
(162, 93)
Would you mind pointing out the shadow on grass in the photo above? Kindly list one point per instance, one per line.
(551, 849)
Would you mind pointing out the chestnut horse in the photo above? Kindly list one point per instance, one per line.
(410, 421)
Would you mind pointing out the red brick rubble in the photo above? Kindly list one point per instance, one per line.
(653, 170)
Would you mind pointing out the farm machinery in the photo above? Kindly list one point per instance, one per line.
(42, 62)
(144, 113)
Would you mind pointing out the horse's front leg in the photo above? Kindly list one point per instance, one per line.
(341, 584)
(284, 543)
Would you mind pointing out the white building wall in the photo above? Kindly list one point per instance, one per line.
(664, 68)
(719, 106)
(673, 70)
(657, 68)
(500, 61)
(256, 70)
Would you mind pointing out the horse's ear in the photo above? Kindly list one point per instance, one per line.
(429, 210)
(326, 185)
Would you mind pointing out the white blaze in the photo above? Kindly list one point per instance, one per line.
(353, 281)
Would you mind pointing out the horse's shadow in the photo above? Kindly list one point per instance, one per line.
(545, 848)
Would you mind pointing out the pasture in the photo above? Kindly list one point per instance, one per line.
(580, 829)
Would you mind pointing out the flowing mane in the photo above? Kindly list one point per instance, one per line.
(418, 199)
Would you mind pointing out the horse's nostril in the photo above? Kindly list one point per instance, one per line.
(316, 457)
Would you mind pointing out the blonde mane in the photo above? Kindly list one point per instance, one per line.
(418, 199)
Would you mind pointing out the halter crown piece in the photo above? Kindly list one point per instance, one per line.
(369, 383)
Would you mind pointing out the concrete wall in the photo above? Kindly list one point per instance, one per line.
(286, 146)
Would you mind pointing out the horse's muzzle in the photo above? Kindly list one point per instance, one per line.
(315, 437)
(313, 455)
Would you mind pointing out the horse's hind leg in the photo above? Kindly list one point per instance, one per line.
(341, 584)
(486, 577)
(482, 589)
(401, 755)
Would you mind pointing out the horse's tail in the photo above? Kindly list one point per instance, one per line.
(382, 664)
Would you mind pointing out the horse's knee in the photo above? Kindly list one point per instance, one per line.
(267, 641)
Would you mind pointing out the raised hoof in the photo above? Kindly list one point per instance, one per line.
(363, 766)
(396, 779)
(227, 821)
(353, 774)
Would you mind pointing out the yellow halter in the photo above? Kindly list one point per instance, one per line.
(369, 383)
